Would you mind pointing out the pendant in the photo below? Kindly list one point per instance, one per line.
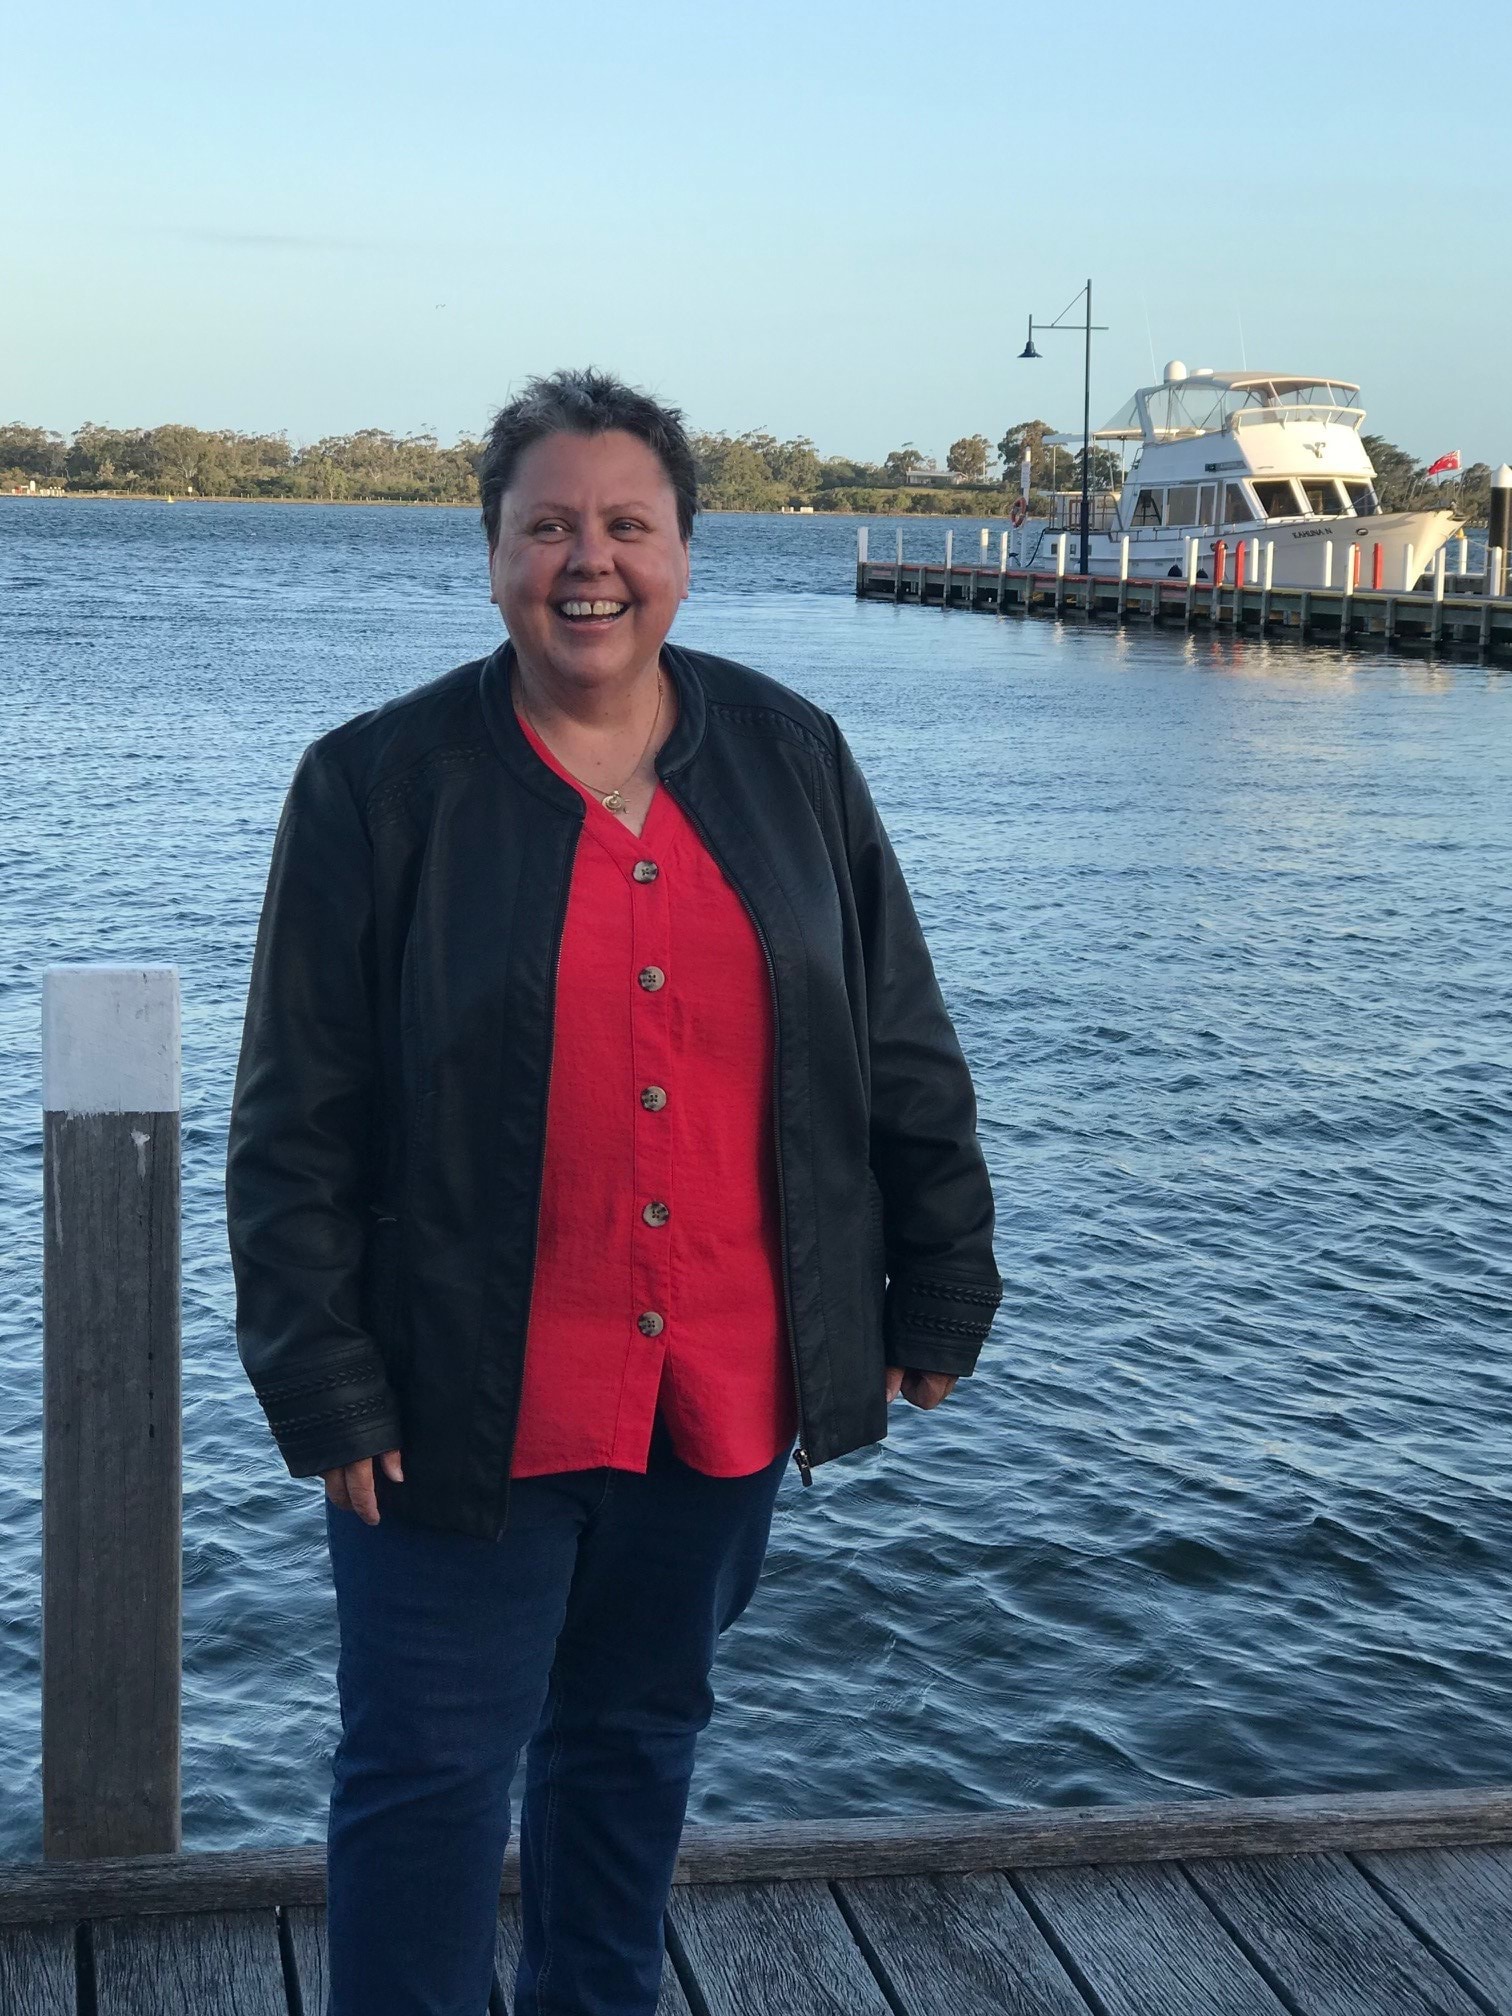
(613, 802)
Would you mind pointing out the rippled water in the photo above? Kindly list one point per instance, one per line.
(1226, 930)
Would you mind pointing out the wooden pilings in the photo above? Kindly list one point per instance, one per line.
(111, 1492)
(1339, 610)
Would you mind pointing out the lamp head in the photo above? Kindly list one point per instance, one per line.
(1028, 351)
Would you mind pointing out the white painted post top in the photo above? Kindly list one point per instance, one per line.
(1502, 480)
(110, 1039)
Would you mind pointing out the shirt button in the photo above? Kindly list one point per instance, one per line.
(645, 871)
(653, 1098)
(656, 1214)
(651, 977)
(650, 1325)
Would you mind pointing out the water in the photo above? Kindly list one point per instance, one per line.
(1228, 1508)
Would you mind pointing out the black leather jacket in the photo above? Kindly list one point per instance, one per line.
(388, 1124)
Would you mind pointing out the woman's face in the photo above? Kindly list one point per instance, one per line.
(589, 565)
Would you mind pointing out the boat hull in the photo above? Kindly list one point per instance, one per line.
(1302, 547)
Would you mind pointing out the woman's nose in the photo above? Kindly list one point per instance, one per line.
(591, 551)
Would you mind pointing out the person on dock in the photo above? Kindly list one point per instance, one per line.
(599, 1139)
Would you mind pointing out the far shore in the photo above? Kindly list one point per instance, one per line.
(432, 504)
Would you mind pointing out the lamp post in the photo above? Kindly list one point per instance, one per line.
(1028, 352)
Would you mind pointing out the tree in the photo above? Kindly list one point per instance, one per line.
(1027, 437)
(32, 454)
(969, 457)
(1397, 475)
(733, 475)
(901, 463)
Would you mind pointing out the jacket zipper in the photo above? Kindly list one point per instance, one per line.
(563, 897)
(800, 1454)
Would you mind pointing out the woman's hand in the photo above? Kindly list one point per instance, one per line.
(352, 1487)
(922, 1389)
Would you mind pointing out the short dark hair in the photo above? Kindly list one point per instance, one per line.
(584, 402)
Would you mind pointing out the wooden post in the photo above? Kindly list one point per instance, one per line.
(945, 584)
(898, 569)
(1268, 581)
(111, 1465)
(1191, 580)
(1440, 564)
(1123, 577)
(1328, 563)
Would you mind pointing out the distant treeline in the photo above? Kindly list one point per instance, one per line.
(739, 472)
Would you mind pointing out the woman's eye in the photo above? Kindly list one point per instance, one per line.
(628, 525)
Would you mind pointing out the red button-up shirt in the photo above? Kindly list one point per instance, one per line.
(657, 1277)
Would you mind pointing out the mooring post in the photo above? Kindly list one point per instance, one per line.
(1351, 582)
(1462, 559)
(1123, 576)
(1191, 580)
(1060, 573)
(1436, 620)
(861, 542)
(1267, 581)
(1493, 583)
(986, 536)
(1328, 563)
(1003, 554)
(898, 570)
(945, 585)
(1377, 564)
(111, 1421)
(1409, 568)
(1499, 525)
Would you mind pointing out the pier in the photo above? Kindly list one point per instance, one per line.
(1362, 1904)
(1441, 617)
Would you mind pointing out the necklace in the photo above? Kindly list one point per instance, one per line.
(612, 800)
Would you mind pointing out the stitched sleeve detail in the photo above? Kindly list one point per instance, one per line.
(332, 1417)
(338, 1372)
(953, 1291)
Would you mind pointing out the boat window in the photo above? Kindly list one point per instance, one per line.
(1362, 498)
(1181, 505)
(1279, 499)
(1207, 499)
(1236, 506)
(1147, 508)
(1323, 497)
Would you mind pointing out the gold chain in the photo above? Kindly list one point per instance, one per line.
(613, 799)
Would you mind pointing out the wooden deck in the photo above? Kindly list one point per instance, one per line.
(1370, 1905)
(1460, 622)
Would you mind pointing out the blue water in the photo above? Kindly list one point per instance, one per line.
(1225, 927)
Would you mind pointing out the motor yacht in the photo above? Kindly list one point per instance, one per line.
(1252, 458)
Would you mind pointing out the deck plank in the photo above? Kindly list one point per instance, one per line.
(757, 1948)
(670, 2002)
(307, 1936)
(1461, 1901)
(960, 1946)
(1335, 1947)
(1145, 1943)
(37, 1971)
(211, 1964)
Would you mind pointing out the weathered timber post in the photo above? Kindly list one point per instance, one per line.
(1499, 528)
(111, 1461)
(1440, 566)
(898, 570)
(949, 563)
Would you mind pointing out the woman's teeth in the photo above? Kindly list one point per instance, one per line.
(592, 608)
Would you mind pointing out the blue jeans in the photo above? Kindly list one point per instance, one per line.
(587, 1633)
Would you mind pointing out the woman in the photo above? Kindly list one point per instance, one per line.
(599, 1136)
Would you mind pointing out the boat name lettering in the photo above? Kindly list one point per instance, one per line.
(1312, 532)
(1210, 468)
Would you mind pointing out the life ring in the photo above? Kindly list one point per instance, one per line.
(1019, 512)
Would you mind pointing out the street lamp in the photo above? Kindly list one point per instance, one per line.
(1029, 353)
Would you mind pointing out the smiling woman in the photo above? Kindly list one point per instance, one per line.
(599, 1135)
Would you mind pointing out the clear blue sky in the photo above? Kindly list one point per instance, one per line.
(815, 216)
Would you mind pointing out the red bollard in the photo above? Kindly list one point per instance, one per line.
(1239, 552)
(1377, 565)
(1220, 562)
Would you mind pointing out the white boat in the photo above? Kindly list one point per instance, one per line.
(1251, 458)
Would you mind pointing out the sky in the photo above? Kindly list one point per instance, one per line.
(809, 216)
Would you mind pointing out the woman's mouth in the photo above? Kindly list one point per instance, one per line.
(591, 613)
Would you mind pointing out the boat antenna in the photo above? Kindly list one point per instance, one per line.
(1149, 333)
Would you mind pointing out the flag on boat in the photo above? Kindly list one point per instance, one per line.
(1446, 464)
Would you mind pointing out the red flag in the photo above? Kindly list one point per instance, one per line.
(1445, 463)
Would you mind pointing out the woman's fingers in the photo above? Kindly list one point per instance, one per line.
(927, 1389)
(353, 1489)
(894, 1382)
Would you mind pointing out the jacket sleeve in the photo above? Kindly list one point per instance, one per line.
(937, 1212)
(299, 1163)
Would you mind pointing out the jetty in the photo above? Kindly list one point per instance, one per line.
(1361, 1904)
(1438, 618)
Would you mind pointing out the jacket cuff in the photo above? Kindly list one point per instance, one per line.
(935, 1325)
(327, 1423)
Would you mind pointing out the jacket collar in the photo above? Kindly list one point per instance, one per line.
(521, 760)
